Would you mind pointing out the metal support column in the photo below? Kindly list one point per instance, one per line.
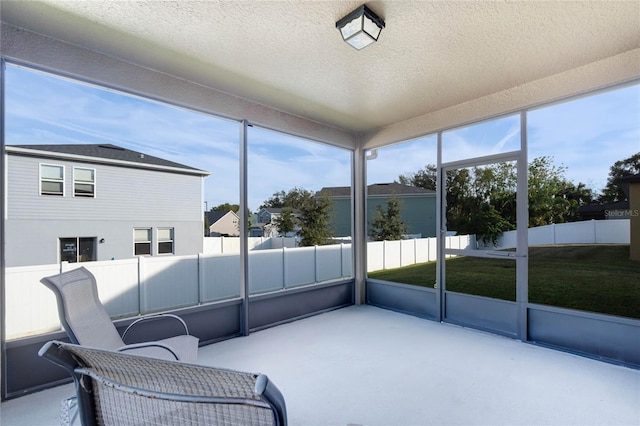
(522, 221)
(359, 224)
(441, 205)
(3, 375)
(244, 231)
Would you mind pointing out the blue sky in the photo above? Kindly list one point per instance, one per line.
(586, 136)
(43, 109)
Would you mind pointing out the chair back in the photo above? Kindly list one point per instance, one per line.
(120, 389)
(81, 313)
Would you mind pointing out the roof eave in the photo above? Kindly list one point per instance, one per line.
(99, 160)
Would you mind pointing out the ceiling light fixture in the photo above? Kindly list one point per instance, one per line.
(361, 27)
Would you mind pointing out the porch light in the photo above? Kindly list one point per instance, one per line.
(361, 27)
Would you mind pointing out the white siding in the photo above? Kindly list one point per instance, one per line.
(121, 193)
(126, 198)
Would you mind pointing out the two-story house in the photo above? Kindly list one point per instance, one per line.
(266, 223)
(417, 207)
(79, 203)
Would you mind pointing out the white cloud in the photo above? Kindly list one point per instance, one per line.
(401, 159)
(587, 136)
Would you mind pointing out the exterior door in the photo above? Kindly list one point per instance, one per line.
(483, 259)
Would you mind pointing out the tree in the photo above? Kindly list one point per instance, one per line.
(482, 200)
(315, 216)
(276, 200)
(286, 222)
(425, 178)
(293, 198)
(225, 207)
(387, 225)
(620, 169)
(547, 193)
(206, 225)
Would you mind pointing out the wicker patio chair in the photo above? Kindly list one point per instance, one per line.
(87, 322)
(120, 389)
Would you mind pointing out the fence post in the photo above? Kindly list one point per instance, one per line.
(200, 277)
(284, 267)
(384, 255)
(140, 283)
(341, 260)
(315, 264)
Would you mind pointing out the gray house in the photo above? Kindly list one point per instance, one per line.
(417, 207)
(266, 223)
(78, 203)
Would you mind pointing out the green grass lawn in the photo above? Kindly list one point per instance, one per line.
(596, 278)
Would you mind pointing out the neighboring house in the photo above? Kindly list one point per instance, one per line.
(78, 203)
(256, 230)
(223, 223)
(266, 222)
(617, 210)
(417, 207)
(268, 214)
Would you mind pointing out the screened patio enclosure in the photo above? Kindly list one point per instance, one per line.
(438, 69)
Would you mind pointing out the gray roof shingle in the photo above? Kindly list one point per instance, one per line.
(108, 152)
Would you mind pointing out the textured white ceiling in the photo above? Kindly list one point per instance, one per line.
(288, 55)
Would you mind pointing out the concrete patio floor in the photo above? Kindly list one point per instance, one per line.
(367, 366)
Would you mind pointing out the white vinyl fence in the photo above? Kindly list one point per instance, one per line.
(149, 284)
(219, 245)
(395, 254)
(613, 231)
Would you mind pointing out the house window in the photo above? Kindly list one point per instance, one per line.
(84, 182)
(77, 249)
(142, 241)
(165, 240)
(51, 180)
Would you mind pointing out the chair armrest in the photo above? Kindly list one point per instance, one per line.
(151, 349)
(272, 395)
(156, 317)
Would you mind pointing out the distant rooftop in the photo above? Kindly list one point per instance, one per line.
(630, 179)
(109, 152)
(216, 215)
(393, 188)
